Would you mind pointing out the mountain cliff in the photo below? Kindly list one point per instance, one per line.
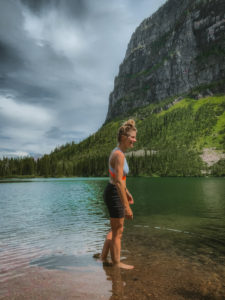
(177, 49)
(172, 82)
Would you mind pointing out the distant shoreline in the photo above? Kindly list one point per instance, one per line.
(140, 176)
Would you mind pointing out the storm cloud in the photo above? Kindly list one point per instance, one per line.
(58, 60)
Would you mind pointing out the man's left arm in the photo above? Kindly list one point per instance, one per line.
(129, 197)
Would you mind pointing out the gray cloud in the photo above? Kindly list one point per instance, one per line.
(58, 60)
(74, 8)
(9, 59)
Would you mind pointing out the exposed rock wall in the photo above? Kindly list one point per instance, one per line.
(178, 48)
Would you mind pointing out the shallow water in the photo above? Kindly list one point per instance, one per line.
(186, 212)
(176, 240)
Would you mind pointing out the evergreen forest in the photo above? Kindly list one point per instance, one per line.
(172, 136)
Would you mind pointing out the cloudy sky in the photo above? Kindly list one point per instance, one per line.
(58, 60)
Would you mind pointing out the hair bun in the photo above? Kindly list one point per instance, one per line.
(125, 128)
(129, 122)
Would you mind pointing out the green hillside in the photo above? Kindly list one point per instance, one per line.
(178, 137)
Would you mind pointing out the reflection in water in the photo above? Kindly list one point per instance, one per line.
(213, 195)
(114, 274)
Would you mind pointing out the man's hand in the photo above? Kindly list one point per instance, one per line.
(130, 198)
(128, 213)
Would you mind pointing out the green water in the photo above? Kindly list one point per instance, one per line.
(188, 213)
(59, 223)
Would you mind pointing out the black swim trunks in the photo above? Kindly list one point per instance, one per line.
(113, 202)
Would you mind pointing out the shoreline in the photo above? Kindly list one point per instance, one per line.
(104, 177)
(157, 275)
(39, 283)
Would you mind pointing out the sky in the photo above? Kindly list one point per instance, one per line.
(58, 60)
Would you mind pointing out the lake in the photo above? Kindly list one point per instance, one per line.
(50, 229)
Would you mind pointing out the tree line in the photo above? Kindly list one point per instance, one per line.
(175, 134)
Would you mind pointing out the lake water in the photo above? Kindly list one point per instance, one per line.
(176, 240)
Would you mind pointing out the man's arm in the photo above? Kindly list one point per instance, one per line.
(119, 162)
(129, 197)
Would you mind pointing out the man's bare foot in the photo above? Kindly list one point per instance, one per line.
(107, 263)
(124, 266)
(97, 255)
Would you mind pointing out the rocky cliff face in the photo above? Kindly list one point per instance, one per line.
(180, 47)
